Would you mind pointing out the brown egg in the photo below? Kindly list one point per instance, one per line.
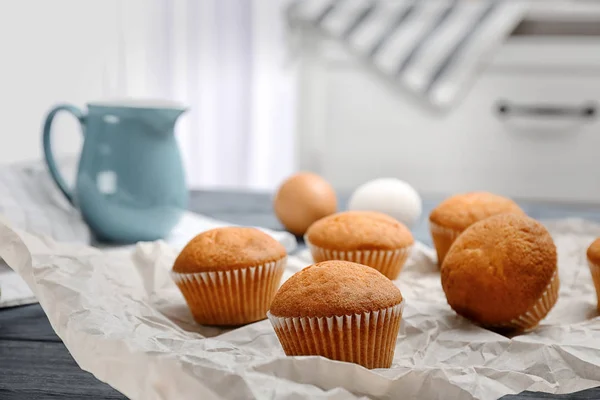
(303, 199)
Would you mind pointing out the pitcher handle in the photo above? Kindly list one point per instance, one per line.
(54, 172)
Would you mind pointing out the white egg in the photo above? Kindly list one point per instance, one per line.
(390, 196)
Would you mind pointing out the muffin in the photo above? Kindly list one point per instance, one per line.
(593, 256)
(366, 237)
(502, 273)
(228, 276)
(455, 214)
(340, 310)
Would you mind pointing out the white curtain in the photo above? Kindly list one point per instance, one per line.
(226, 59)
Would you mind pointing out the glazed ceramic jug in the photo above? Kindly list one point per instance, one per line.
(130, 183)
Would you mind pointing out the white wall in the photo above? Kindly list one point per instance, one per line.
(50, 52)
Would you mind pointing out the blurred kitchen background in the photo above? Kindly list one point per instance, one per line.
(447, 95)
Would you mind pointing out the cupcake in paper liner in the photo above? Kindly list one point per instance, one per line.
(455, 214)
(593, 257)
(228, 276)
(339, 310)
(501, 273)
(365, 237)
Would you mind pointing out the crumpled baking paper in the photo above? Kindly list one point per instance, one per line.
(123, 319)
(16, 292)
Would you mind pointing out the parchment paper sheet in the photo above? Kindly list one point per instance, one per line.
(123, 319)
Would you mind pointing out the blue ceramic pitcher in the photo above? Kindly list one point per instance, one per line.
(130, 184)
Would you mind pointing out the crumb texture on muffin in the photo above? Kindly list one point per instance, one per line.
(228, 248)
(359, 230)
(334, 288)
(593, 252)
(499, 268)
(460, 211)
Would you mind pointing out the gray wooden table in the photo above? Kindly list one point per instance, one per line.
(34, 363)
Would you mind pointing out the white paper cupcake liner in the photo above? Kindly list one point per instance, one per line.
(595, 270)
(388, 262)
(442, 239)
(368, 339)
(233, 297)
(531, 318)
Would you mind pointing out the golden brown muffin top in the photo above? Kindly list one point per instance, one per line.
(359, 230)
(228, 248)
(334, 288)
(462, 210)
(593, 252)
(498, 268)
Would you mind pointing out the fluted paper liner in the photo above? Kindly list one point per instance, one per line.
(368, 339)
(442, 240)
(233, 297)
(388, 262)
(595, 270)
(532, 317)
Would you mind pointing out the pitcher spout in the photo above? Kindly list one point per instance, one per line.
(159, 114)
(165, 119)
